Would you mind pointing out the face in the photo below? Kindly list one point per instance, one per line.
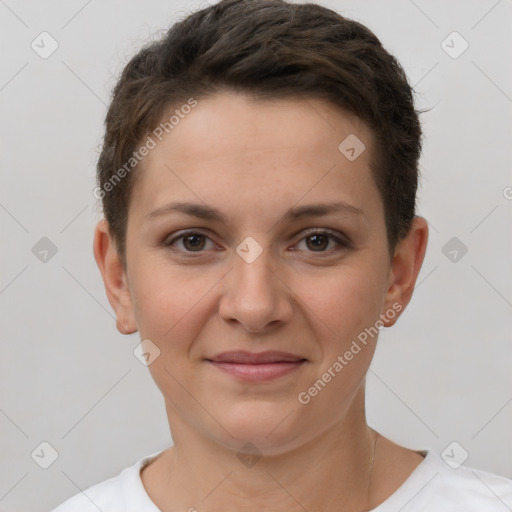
(256, 256)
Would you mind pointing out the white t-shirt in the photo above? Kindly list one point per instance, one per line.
(433, 486)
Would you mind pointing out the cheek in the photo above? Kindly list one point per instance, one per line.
(341, 308)
(343, 303)
(169, 303)
(171, 308)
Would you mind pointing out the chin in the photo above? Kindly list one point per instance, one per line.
(270, 426)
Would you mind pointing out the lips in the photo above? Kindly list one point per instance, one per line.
(244, 357)
(262, 366)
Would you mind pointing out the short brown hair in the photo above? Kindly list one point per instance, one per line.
(269, 49)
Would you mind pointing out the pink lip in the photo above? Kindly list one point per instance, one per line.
(254, 367)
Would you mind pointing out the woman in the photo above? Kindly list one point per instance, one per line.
(258, 180)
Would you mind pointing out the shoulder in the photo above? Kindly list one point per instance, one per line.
(119, 493)
(435, 485)
(475, 489)
(102, 496)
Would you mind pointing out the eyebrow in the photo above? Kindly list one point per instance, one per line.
(205, 212)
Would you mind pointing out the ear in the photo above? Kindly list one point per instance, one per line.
(405, 267)
(114, 278)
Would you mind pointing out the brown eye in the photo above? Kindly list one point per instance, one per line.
(317, 242)
(321, 241)
(190, 242)
(194, 242)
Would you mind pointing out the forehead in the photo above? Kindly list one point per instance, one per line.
(240, 123)
(286, 148)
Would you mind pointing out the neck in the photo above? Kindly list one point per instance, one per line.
(331, 469)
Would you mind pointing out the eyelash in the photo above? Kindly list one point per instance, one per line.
(341, 243)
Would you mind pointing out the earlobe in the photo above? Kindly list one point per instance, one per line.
(405, 267)
(114, 278)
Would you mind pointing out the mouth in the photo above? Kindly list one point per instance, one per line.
(257, 367)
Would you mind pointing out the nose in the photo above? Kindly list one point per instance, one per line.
(255, 295)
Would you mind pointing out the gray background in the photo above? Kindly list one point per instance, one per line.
(443, 374)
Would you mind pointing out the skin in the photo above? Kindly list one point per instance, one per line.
(253, 161)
